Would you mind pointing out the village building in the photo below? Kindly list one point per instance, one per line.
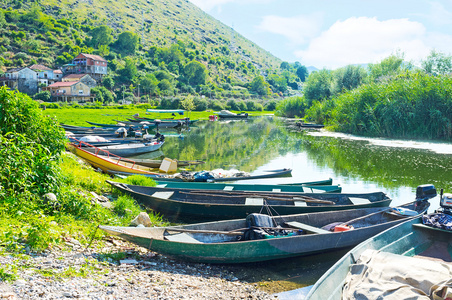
(69, 91)
(93, 65)
(85, 78)
(24, 79)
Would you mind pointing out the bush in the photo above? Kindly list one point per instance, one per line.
(216, 105)
(200, 104)
(43, 96)
(30, 147)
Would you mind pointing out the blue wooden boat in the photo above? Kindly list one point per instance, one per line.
(392, 256)
(190, 204)
(251, 187)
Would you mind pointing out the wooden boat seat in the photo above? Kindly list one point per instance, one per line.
(358, 201)
(182, 238)
(164, 195)
(254, 201)
(306, 227)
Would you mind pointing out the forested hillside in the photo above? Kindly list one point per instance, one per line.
(167, 47)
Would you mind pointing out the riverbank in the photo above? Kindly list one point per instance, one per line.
(114, 269)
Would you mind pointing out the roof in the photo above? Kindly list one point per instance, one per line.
(15, 70)
(62, 84)
(57, 71)
(39, 67)
(92, 56)
(74, 76)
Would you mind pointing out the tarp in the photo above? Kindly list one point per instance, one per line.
(179, 111)
(381, 275)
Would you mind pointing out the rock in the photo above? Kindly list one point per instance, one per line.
(143, 219)
(128, 261)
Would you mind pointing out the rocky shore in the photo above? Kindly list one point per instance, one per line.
(115, 269)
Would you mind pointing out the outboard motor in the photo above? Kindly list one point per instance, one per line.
(446, 202)
(425, 192)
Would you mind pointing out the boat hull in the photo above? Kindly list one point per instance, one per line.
(409, 238)
(180, 205)
(262, 249)
(106, 164)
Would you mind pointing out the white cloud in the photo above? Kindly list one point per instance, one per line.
(298, 29)
(365, 40)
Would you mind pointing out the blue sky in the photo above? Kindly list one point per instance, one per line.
(335, 33)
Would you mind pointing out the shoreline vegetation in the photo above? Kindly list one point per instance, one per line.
(390, 99)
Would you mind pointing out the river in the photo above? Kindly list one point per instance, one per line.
(358, 164)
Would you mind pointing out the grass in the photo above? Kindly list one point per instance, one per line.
(77, 216)
(79, 116)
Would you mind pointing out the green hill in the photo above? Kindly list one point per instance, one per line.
(170, 34)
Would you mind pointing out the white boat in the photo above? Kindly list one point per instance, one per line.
(125, 150)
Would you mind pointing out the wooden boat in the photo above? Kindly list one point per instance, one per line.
(152, 163)
(126, 150)
(251, 187)
(87, 129)
(226, 114)
(160, 124)
(405, 248)
(267, 174)
(411, 239)
(215, 205)
(261, 237)
(121, 124)
(105, 163)
(100, 141)
(309, 125)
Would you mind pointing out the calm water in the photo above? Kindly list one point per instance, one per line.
(357, 164)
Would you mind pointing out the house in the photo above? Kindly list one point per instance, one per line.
(85, 78)
(24, 79)
(45, 75)
(94, 65)
(69, 91)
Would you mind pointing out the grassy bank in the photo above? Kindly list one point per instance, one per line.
(79, 116)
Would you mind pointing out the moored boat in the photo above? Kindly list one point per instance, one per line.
(408, 261)
(226, 114)
(251, 187)
(262, 237)
(205, 176)
(106, 164)
(215, 205)
(126, 150)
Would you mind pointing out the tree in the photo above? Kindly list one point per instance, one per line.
(44, 96)
(437, 63)
(149, 84)
(302, 73)
(260, 86)
(166, 87)
(127, 43)
(129, 71)
(188, 103)
(348, 78)
(101, 36)
(195, 72)
(279, 83)
(108, 82)
(318, 86)
(389, 66)
(285, 65)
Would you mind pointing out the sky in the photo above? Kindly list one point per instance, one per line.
(334, 33)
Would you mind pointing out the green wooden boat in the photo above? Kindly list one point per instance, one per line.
(251, 187)
(261, 237)
(192, 204)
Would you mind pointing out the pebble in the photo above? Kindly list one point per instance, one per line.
(144, 275)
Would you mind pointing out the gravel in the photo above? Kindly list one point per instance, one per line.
(104, 272)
